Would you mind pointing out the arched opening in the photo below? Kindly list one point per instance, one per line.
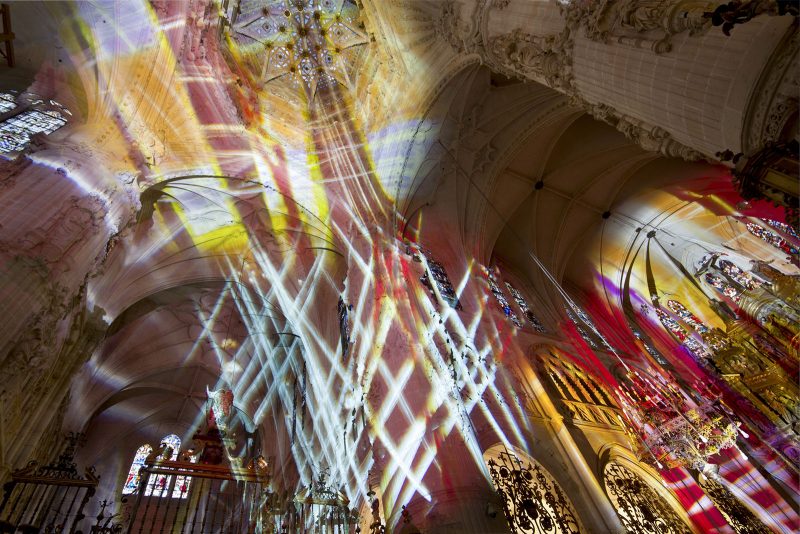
(640, 507)
(533, 502)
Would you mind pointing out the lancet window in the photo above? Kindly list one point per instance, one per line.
(30, 115)
(686, 316)
(675, 328)
(772, 238)
(437, 272)
(344, 325)
(640, 508)
(533, 502)
(737, 275)
(672, 325)
(132, 482)
(523, 305)
(649, 348)
(721, 285)
(782, 227)
(501, 299)
(158, 485)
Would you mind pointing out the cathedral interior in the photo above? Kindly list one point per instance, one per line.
(404, 266)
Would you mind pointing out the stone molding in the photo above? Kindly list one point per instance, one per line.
(647, 136)
(547, 59)
(542, 58)
(648, 24)
(775, 98)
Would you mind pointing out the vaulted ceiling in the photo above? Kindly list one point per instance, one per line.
(476, 164)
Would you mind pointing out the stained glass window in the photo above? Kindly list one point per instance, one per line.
(686, 316)
(158, 485)
(719, 283)
(782, 227)
(16, 131)
(344, 325)
(589, 334)
(772, 238)
(501, 299)
(675, 328)
(742, 278)
(132, 482)
(436, 271)
(181, 489)
(523, 305)
(7, 102)
(672, 325)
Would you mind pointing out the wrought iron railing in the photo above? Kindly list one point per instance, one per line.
(49, 498)
(186, 497)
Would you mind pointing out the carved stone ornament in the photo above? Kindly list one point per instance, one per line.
(542, 58)
(463, 37)
(775, 99)
(547, 59)
(647, 136)
(639, 23)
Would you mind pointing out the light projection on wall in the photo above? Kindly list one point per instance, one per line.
(248, 183)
